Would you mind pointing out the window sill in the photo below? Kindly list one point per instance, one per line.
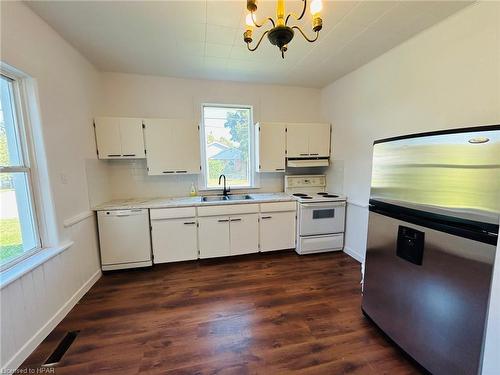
(20, 269)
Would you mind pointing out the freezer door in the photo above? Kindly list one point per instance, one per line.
(454, 174)
(428, 291)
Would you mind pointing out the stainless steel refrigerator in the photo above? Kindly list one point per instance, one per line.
(433, 226)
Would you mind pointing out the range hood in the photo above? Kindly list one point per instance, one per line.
(307, 162)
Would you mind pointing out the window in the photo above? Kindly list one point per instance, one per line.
(227, 145)
(18, 227)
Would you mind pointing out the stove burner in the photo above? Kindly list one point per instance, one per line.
(322, 193)
(299, 195)
(330, 196)
(306, 197)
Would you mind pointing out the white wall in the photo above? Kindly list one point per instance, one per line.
(447, 76)
(68, 88)
(151, 96)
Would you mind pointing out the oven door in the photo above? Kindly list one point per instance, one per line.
(321, 218)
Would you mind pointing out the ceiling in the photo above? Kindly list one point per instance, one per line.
(204, 39)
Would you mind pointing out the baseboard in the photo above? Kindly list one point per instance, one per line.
(354, 254)
(43, 332)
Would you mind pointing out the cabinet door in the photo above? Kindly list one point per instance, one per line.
(271, 146)
(159, 139)
(173, 146)
(132, 138)
(213, 236)
(244, 236)
(277, 231)
(297, 136)
(174, 240)
(319, 139)
(186, 147)
(107, 132)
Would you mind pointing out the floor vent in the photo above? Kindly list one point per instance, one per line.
(61, 349)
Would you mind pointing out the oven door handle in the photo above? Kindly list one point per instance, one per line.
(324, 205)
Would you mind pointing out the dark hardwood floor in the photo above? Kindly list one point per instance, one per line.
(273, 313)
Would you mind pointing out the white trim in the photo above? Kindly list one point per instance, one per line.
(357, 204)
(354, 254)
(23, 353)
(21, 268)
(77, 218)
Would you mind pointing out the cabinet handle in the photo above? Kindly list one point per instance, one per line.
(266, 217)
(128, 155)
(190, 223)
(235, 219)
(181, 171)
(280, 169)
(304, 154)
(168, 172)
(223, 220)
(314, 154)
(114, 155)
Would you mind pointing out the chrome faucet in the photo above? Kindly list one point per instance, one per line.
(225, 190)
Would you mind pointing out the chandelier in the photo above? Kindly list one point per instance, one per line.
(281, 34)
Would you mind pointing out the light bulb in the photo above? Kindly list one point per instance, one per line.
(249, 20)
(316, 7)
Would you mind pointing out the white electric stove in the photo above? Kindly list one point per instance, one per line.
(320, 216)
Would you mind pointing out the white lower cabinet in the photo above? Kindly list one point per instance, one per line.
(174, 240)
(244, 234)
(174, 234)
(277, 231)
(277, 226)
(212, 231)
(213, 234)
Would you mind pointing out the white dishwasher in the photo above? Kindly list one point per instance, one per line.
(125, 239)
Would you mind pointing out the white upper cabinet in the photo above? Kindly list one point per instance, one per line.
(119, 138)
(319, 140)
(271, 146)
(173, 146)
(132, 138)
(308, 140)
(297, 140)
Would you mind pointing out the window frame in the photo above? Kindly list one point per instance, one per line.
(28, 167)
(252, 177)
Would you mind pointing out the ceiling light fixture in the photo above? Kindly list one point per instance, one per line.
(281, 34)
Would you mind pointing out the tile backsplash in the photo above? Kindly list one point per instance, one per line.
(121, 179)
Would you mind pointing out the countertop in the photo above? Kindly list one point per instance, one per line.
(136, 203)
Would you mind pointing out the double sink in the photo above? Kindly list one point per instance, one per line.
(220, 198)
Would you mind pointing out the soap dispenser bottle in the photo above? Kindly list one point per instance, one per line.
(193, 190)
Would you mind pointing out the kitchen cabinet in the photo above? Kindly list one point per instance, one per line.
(228, 230)
(174, 234)
(277, 226)
(319, 140)
(297, 140)
(271, 147)
(173, 146)
(119, 138)
(213, 234)
(308, 140)
(244, 234)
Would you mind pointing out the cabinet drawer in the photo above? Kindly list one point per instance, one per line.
(233, 209)
(172, 213)
(319, 243)
(278, 207)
